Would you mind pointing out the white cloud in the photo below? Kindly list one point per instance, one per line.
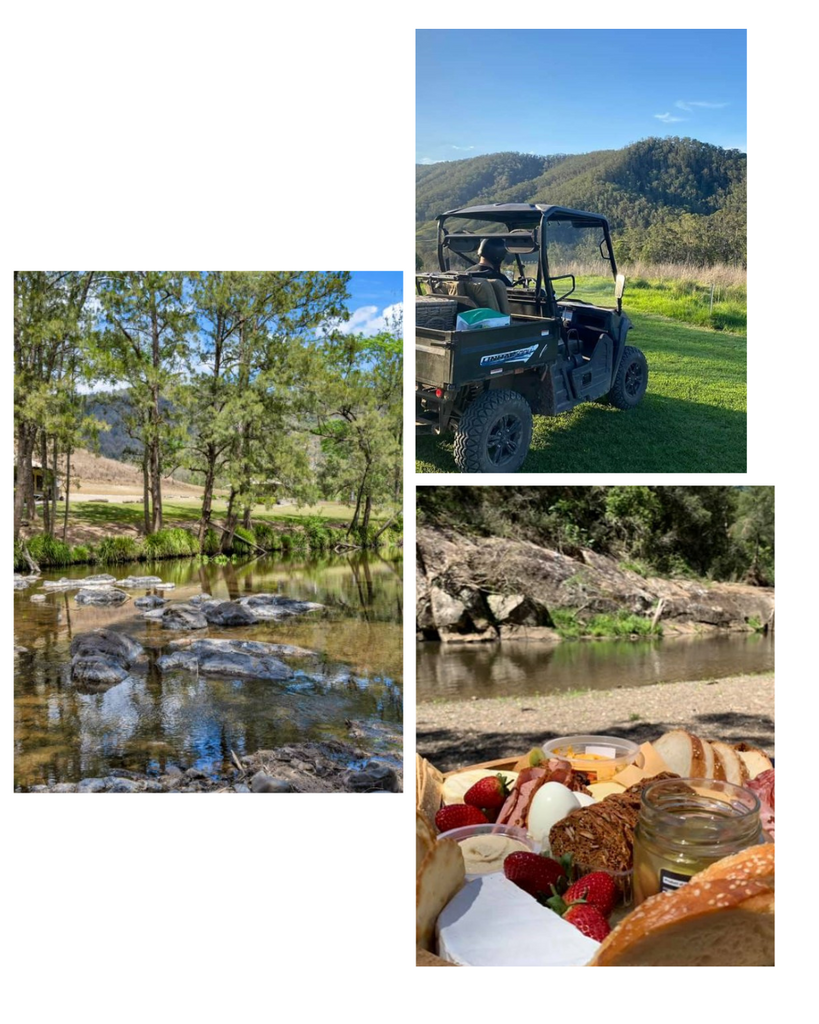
(368, 320)
(690, 104)
(426, 160)
(668, 118)
(462, 148)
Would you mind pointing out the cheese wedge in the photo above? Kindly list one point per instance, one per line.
(600, 790)
(653, 764)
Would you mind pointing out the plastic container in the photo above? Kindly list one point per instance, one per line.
(599, 757)
(485, 847)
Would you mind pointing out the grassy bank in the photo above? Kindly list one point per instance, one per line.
(308, 533)
(692, 419)
(621, 624)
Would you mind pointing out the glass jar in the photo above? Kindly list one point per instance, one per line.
(687, 824)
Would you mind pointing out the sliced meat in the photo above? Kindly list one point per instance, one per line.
(763, 786)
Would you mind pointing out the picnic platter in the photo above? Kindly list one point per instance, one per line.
(582, 852)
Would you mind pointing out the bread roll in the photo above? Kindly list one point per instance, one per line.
(723, 917)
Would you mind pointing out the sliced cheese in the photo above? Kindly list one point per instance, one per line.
(456, 785)
(493, 923)
(600, 790)
(653, 765)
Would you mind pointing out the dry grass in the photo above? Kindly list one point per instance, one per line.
(101, 477)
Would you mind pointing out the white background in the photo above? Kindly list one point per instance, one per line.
(259, 136)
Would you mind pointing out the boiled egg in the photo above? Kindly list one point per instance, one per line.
(550, 804)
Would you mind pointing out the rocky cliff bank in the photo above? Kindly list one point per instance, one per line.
(487, 589)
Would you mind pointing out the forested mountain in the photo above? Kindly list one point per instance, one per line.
(667, 199)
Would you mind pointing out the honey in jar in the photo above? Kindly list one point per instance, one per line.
(687, 824)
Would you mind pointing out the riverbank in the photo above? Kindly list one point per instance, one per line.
(452, 734)
(102, 534)
(328, 767)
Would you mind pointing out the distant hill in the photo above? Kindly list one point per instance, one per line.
(668, 200)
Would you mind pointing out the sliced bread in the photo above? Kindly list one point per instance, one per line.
(733, 765)
(683, 753)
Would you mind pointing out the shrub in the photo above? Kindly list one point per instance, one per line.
(171, 543)
(243, 540)
(48, 551)
(267, 536)
(80, 554)
(119, 549)
(211, 542)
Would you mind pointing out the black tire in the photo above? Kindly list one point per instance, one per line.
(494, 434)
(630, 381)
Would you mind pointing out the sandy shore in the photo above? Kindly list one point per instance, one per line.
(456, 733)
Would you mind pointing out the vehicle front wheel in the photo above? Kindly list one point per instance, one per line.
(631, 379)
(494, 434)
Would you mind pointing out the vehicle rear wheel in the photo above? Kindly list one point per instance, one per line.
(631, 379)
(494, 434)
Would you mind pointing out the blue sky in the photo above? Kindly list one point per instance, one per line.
(549, 91)
(371, 293)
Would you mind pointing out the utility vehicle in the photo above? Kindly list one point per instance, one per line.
(558, 349)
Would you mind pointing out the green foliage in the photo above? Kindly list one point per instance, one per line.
(621, 624)
(703, 532)
(48, 551)
(267, 536)
(173, 542)
(81, 554)
(667, 199)
(211, 543)
(119, 549)
(243, 541)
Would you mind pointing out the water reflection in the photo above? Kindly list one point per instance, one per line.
(153, 720)
(458, 672)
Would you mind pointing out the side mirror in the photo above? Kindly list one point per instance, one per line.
(619, 288)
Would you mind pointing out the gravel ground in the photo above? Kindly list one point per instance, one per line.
(453, 734)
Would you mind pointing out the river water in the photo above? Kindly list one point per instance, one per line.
(461, 672)
(154, 720)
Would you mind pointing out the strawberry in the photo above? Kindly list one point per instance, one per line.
(458, 815)
(489, 793)
(588, 920)
(597, 889)
(534, 873)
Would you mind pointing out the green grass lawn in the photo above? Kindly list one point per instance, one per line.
(692, 419)
(186, 510)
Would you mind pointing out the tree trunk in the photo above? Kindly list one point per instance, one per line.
(46, 496)
(146, 497)
(207, 500)
(230, 523)
(246, 519)
(67, 490)
(25, 449)
(365, 525)
(54, 486)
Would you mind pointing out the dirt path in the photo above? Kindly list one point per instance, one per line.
(457, 733)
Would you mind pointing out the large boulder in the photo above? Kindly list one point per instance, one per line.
(182, 616)
(518, 610)
(102, 658)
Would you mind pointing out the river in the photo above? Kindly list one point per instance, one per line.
(154, 720)
(461, 671)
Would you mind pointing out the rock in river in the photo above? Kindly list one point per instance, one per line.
(100, 595)
(151, 601)
(227, 613)
(274, 606)
(246, 659)
(102, 658)
(183, 616)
